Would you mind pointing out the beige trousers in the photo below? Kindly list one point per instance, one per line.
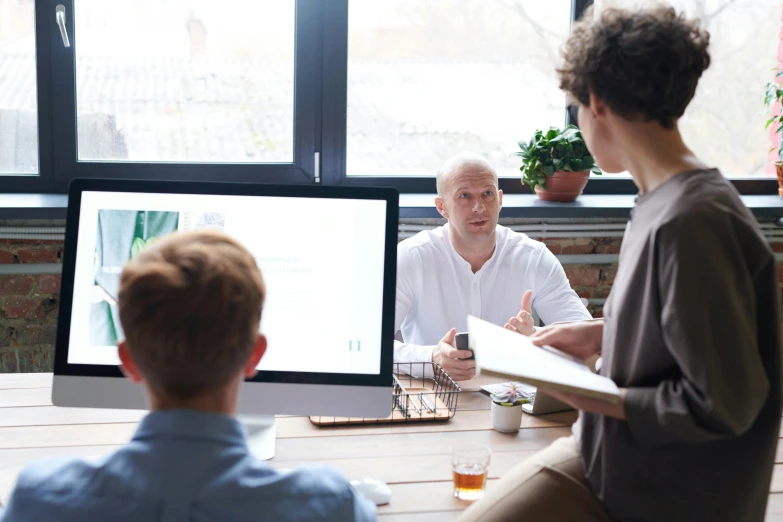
(549, 486)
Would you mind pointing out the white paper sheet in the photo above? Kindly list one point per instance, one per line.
(508, 353)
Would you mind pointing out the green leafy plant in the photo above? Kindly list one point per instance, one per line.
(773, 94)
(512, 395)
(554, 150)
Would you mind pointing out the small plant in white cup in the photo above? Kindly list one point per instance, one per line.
(507, 408)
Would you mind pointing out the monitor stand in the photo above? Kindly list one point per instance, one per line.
(260, 434)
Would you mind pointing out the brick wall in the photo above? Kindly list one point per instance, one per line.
(28, 307)
(591, 281)
(29, 303)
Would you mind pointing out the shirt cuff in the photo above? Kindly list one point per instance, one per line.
(423, 353)
(642, 416)
(408, 359)
(408, 353)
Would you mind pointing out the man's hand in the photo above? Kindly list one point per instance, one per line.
(523, 321)
(581, 339)
(453, 360)
(579, 402)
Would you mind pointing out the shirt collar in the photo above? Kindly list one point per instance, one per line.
(460, 260)
(671, 182)
(191, 424)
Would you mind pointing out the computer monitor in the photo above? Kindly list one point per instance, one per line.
(328, 258)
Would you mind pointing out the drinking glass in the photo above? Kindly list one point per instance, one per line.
(469, 466)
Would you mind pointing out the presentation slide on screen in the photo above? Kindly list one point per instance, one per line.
(321, 259)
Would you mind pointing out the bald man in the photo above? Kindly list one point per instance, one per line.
(473, 266)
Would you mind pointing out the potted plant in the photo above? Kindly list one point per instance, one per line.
(507, 408)
(773, 96)
(557, 163)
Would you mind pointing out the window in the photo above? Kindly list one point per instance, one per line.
(186, 90)
(724, 124)
(338, 92)
(430, 78)
(18, 89)
(197, 81)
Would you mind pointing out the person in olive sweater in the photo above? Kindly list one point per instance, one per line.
(691, 333)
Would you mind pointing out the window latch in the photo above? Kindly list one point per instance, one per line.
(60, 16)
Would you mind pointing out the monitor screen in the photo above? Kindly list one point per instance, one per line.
(322, 260)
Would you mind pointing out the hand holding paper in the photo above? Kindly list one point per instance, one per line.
(579, 402)
(507, 353)
(578, 338)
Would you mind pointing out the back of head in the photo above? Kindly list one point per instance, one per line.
(190, 306)
(644, 62)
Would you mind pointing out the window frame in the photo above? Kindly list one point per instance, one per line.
(320, 125)
(59, 153)
(335, 90)
(37, 183)
(333, 157)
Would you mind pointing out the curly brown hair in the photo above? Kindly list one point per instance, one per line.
(642, 63)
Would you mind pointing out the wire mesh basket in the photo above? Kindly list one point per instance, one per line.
(422, 391)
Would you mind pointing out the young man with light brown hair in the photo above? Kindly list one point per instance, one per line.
(691, 330)
(190, 306)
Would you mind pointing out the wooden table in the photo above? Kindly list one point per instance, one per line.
(413, 458)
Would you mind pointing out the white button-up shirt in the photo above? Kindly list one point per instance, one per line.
(437, 289)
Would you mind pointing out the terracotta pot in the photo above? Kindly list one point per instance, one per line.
(779, 171)
(563, 186)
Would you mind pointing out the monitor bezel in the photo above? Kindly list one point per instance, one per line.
(388, 195)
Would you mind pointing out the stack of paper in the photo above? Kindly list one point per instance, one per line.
(510, 354)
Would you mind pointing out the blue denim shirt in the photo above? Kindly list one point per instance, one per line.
(183, 465)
